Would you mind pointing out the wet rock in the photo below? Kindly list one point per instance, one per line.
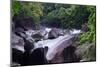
(69, 55)
(37, 57)
(87, 52)
(85, 27)
(17, 42)
(17, 45)
(54, 33)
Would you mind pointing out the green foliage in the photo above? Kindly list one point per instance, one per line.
(16, 6)
(72, 16)
(66, 16)
(62, 16)
(34, 10)
(91, 34)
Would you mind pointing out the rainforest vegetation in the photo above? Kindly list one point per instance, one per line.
(64, 16)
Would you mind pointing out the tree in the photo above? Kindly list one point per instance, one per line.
(34, 10)
(91, 34)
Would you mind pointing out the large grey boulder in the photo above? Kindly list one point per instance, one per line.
(87, 52)
(17, 42)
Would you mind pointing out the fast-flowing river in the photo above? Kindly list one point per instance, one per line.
(58, 44)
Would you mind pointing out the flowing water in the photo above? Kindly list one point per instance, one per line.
(58, 44)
